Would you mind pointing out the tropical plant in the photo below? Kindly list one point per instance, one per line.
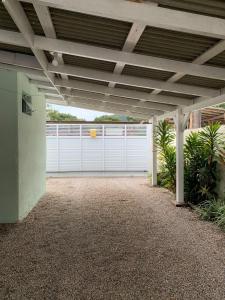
(203, 152)
(164, 137)
(213, 210)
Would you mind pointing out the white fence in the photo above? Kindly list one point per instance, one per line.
(116, 147)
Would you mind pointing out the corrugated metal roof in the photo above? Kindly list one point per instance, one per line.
(89, 29)
(133, 88)
(88, 63)
(88, 80)
(179, 95)
(172, 44)
(33, 18)
(6, 22)
(202, 81)
(16, 49)
(215, 8)
(218, 60)
(146, 72)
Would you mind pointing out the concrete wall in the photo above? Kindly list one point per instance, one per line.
(8, 147)
(22, 151)
(31, 148)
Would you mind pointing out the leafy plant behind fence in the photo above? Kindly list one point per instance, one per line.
(203, 151)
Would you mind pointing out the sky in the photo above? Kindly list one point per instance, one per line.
(88, 115)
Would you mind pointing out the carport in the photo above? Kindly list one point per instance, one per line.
(150, 60)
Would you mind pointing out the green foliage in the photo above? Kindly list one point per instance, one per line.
(107, 118)
(202, 152)
(164, 137)
(115, 118)
(214, 211)
(222, 105)
(54, 115)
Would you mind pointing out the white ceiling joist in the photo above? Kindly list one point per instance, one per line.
(110, 99)
(97, 88)
(205, 103)
(122, 57)
(21, 69)
(17, 13)
(145, 13)
(117, 106)
(111, 107)
(101, 108)
(129, 45)
(132, 80)
(47, 25)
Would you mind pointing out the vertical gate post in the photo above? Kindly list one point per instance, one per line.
(154, 153)
(179, 120)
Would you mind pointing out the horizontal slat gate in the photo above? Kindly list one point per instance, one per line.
(116, 147)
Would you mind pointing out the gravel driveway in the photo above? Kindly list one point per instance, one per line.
(110, 238)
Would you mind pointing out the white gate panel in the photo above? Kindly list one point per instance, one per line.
(69, 153)
(52, 154)
(116, 147)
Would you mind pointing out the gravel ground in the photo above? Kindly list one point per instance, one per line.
(110, 238)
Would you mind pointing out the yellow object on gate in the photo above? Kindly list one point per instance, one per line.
(93, 133)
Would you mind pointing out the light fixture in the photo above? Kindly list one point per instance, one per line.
(55, 59)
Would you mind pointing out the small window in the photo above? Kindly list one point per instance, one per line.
(26, 104)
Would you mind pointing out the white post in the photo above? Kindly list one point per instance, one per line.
(179, 157)
(154, 153)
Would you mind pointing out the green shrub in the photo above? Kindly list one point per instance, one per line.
(203, 151)
(164, 137)
(213, 210)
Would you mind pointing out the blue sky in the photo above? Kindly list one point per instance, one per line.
(88, 115)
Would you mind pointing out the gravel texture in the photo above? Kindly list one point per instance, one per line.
(110, 238)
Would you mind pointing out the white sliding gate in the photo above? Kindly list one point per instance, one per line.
(116, 147)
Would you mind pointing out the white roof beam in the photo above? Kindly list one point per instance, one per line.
(78, 49)
(122, 57)
(97, 88)
(145, 13)
(198, 105)
(116, 100)
(21, 69)
(19, 59)
(132, 80)
(115, 107)
(47, 25)
(100, 106)
(205, 103)
(17, 13)
(130, 43)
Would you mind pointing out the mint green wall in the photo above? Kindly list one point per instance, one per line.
(22, 148)
(8, 147)
(31, 137)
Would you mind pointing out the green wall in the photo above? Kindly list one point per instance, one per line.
(8, 147)
(22, 148)
(31, 137)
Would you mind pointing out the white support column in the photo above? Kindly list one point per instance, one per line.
(154, 153)
(179, 157)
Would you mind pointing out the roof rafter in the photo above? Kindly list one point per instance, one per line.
(133, 80)
(111, 107)
(47, 25)
(145, 13)
(110, 99)
(117, 56)
(97, 88)
(129, 45)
